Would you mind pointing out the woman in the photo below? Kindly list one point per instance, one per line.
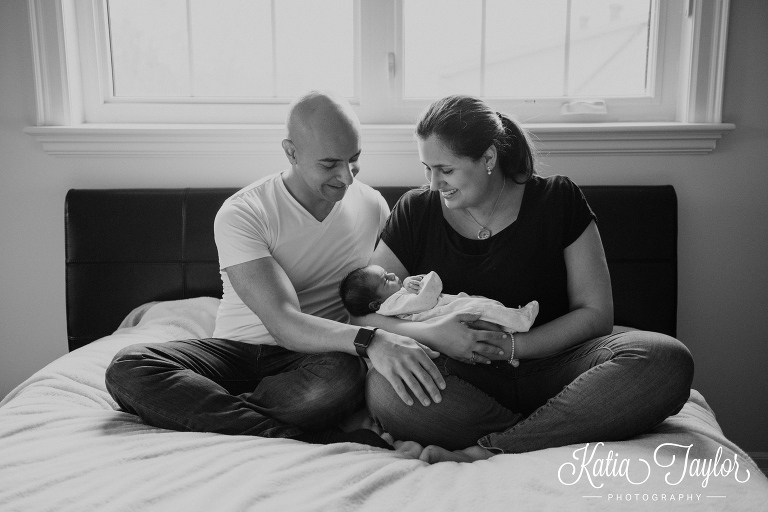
(490, 226)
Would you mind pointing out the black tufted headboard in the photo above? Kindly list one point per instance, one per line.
(126, 247)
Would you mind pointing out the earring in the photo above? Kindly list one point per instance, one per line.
(489, 170)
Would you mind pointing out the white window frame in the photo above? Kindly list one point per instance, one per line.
(76, 115)
(658, 106)
(100, 106)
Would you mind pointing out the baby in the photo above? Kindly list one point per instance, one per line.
(420, 298)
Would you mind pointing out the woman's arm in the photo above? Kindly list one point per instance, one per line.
(590, 297)
(450, 335)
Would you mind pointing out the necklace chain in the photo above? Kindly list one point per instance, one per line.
(484, 232)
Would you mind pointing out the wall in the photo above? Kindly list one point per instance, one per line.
(723, 240)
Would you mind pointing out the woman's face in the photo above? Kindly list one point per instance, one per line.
(462, 182)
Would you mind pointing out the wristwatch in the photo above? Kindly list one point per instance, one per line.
(363, 340)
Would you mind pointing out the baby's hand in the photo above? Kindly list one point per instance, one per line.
(412, 284)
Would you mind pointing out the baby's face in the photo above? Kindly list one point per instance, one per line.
(385, 283)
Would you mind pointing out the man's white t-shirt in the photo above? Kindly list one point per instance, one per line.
(264, 220)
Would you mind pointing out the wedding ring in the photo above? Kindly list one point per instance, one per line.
(472, 358)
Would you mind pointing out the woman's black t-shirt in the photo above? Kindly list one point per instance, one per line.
(523, 262)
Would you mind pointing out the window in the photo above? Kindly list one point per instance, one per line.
(571, 70)
(528, 49)
(549, 60)
(254, 50)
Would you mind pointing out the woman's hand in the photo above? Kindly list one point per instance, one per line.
(412, 284)
(466, 338)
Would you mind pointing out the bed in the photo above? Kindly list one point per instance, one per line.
(141, 266)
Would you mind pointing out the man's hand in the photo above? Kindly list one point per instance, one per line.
(406, 365)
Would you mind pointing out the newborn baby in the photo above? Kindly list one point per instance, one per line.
(420, 298)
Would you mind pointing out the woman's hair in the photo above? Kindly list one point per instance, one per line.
(356, 292)
(468, 127)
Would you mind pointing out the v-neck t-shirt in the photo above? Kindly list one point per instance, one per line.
(523, 262)
(265, 220)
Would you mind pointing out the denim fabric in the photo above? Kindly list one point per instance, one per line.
(230, 387)
(609, 388)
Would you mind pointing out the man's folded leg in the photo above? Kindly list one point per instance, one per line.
(191, 385)
(188, 386)
(316, 392)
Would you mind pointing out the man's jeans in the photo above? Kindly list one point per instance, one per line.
(230, 387)
(606, 389)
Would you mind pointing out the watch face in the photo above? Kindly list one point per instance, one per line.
(363, 340)
(364, 336)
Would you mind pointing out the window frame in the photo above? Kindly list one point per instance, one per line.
(76, 116)
(658, 106)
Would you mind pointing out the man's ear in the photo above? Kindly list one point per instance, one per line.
(290, 150)
(374, 306)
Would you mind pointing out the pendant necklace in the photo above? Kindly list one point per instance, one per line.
(484, 232)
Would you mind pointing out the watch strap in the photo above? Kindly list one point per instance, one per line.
(363, 340)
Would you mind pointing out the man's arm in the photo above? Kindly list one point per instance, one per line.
(450, 335)
(265, 288)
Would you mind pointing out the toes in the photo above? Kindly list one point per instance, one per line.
(410, 449)
(432, 454)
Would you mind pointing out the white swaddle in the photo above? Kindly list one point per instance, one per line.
(431, 304)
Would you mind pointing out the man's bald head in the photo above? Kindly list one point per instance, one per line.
(319, 114)
(323, 147)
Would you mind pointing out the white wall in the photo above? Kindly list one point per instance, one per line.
(723, 246)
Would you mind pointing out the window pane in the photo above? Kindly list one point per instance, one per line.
(149, 47)
(525, 48)
(609, 47)
(527, 51)
(441, 40)
(231, 47)
(315, 46)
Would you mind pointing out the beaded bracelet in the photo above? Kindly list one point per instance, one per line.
(514, 362)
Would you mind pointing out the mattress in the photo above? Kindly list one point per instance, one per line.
(65, 445)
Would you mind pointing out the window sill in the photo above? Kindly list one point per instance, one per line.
(221, 140)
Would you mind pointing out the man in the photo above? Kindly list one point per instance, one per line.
(282, 363)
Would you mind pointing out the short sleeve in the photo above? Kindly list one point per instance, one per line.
(241, 234)
(399, 229)
(577, 212)
(383, 212)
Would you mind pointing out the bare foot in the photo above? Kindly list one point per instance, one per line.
(410, 449)
(360, 419)
(434, 454)
(363, 419)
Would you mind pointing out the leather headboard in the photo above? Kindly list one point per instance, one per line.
(126, 247)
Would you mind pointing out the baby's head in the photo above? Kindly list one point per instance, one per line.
(364, 289)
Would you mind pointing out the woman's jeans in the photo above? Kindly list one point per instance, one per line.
(606, 389)
(230, 387)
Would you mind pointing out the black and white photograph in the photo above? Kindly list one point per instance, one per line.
(383, 255)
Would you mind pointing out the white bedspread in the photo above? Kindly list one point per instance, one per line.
(65, 446)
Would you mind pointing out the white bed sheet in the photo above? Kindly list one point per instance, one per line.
(65, 446)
